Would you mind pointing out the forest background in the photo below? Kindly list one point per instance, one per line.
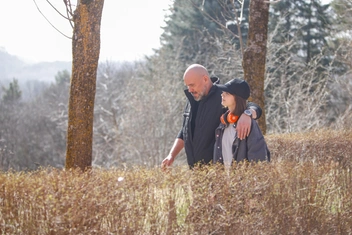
(138, 105)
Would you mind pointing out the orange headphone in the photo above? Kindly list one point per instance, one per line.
(229, 117)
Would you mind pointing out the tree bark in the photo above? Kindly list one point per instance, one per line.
(85, 57)
(255, 54)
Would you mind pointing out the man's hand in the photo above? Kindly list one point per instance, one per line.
(243, 127)
(176, 148)
(167, 162)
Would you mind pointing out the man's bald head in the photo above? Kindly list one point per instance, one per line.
(196, 70)
(197, 80)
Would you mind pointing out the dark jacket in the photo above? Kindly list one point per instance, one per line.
(199, 145)
(253, 148)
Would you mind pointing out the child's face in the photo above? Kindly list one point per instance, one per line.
(228, 100)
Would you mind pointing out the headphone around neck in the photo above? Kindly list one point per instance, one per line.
(228, 118)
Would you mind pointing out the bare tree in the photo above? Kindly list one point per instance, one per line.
(255, 54)
(296, 92)
(85, 50)
(112, 113)
(85, 20)
(135, 121)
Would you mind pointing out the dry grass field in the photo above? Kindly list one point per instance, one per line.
(306, 189)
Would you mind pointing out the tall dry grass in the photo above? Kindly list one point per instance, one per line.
(306, 189)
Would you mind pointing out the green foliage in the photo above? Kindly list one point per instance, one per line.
(341, 40)
(12, 94)
(33, 133)
(195, 30)
(306, 22)
(305, 189)
(300, 64)
(342, 9)
(62, 77)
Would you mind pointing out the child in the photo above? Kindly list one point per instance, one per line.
(228, 147)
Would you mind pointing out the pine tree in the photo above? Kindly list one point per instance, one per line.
(297, 59)
(342, 34)
(306, 22)
(62, 77)
(196, 29)
(13, 93)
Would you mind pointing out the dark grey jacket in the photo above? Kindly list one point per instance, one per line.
(253, 148)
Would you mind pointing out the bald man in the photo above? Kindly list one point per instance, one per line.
(202, 116)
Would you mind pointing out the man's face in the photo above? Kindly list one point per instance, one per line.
(196, 86)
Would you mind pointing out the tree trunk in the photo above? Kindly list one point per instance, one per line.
(255, 54)
(85, 57)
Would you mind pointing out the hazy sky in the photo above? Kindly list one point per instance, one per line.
(129, 29)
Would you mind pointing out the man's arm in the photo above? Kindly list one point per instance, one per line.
(255, 109)
(244, 123)
(175, 150)
(177, 146)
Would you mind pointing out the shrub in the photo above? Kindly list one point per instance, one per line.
(306, 189)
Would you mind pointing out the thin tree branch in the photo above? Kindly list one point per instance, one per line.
(68, 6)
(272, 1)
(69, 10)
(210, 17)
(57, 10)
(49, 21)
(238, 23)
(224, 26)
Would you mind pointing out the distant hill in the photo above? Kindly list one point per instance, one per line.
(13, 67)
